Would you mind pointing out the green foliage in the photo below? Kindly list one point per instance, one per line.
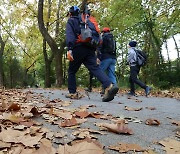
(150, 22)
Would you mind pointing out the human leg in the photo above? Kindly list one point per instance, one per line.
(134, 71)
(111, 71)
(73, 68)
(111, 89)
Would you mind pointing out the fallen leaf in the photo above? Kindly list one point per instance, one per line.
(69, 122)
(14, 107)
(176, 122)
(171, 145)
(119, 128)
(82, 147)
(82, 114)
(4, 145)
(132, 109)
(45, 148)
(152, 122)
(126, 147)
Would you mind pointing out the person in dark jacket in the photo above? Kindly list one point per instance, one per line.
(107, 55)
(134, 71)
(79, 53)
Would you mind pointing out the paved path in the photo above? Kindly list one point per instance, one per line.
(167, 109)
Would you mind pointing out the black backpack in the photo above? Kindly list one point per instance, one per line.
(109, 44)
(141, 57)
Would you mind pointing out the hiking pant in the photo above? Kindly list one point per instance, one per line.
(134, 71)
(108, 66)
(86, 56)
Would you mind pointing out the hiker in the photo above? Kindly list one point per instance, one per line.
(82, 51)
(134, 70)
(89, 88)
(107, 55)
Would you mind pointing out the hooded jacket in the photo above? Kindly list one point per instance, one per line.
(72, 31)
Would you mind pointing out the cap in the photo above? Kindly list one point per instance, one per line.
(106, 29)
(132, 43)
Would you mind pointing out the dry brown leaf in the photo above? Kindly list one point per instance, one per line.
(82, 147)
(11, 135)
(51, 112)
(30, 141)
(4, 102)
(132, 109)
(69, 123)
(171, 146)
(15, 136)
(82, 114)
(27, 123)
(96, 115)
(125, 147)
(45, 148)
(119, 128)
(34, 111)
(63, 114)
(4, 145)
(14, 107)
(83, 134)
(176, 122)
(152, 122)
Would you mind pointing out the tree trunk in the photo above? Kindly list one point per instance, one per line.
(178, 52)
(169, 61)
(51, 42)
(1, 61)
(59, 68)
(47, 65)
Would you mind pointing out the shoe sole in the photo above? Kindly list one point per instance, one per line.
(111, 94)
(148, 92)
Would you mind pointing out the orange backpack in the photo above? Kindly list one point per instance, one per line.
(90, 32)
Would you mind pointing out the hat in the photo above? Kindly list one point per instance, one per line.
(132, 43)
(106, 29)
(74, 10)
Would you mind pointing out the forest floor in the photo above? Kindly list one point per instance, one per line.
(47, 122)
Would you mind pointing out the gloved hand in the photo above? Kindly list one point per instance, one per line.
(70, 55)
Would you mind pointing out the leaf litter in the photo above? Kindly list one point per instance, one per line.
(20, 133)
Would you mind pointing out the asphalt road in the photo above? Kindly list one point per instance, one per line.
(167, 109)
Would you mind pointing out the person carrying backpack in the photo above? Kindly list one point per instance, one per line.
(134, 70)
(80, 52)
(107, 55)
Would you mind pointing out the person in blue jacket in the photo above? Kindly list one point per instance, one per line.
(79, 53)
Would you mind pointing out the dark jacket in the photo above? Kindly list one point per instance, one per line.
(72, 31)
(102, 51)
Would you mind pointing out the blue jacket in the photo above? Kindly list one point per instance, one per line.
(72, 31)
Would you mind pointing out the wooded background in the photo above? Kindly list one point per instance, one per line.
(32, 40)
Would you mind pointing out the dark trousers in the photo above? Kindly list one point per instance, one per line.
(86, 56)
(90, 80)
(134, 71)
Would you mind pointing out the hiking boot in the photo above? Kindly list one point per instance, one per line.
(147, 90)
(110, 92)
(88, 89)
(102, 92)
(72, 96)
(131, 94)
